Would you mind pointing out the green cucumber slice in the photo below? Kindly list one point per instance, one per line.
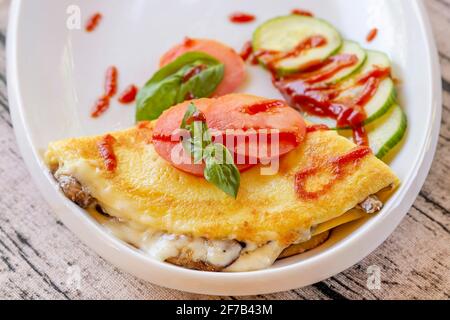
(349, 47)
(283, 34)
(379, 104)
(387, 132)
(375, 59)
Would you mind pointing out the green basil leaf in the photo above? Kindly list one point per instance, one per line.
(203, 84)
(198, 130)
(191, 110)
(220, 169)
(167, 87)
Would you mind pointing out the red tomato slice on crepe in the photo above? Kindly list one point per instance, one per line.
(234, 65)
(254, 124)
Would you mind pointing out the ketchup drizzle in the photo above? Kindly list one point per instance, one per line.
(372, 35)
(93, 22)
(128, 95)
(241, 17)
(106, 150)
(265, 106)
(302, 12)
(337, 166)
(247, 51)
(102, 104)
(111, 81)
(275, 57)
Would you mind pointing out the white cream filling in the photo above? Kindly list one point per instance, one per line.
(220, 253)
(162, 246)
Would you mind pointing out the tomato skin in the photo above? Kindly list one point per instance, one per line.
(234, 65)
(230, 113)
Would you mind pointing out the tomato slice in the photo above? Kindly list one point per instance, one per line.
(234, 65)
(247, 120)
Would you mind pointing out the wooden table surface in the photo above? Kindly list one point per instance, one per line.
(39, 255)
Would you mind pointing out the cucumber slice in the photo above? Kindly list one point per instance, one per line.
(379, 104)
(349, 47)
(284, 34)
(375, 59)
(387, 132)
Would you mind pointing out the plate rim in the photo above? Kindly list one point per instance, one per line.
(248, 283)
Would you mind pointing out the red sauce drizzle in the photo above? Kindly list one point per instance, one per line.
(193, 72)
(241, 17)
(372, 35)
(247, 51)
(332, 66)
(111, 81)
(128, 95)
(100, 106)
(265, 106)
(301, 12)
(93, 22)
(360, 136)
(337, 166)
(106, 150)
(273, 57)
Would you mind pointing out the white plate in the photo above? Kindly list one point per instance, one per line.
(55, 74)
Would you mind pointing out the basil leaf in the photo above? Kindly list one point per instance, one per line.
(198, 130)
(220, 169)
(203, 84)
(168, 86)
(200, 139)
(191, 110)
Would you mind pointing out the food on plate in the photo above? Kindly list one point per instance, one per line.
(332, 81)
(234, 66)
(124, 180)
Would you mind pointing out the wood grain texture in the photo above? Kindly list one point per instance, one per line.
(38, 253)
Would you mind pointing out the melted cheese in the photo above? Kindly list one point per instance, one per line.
(163, 246)
(261, 258)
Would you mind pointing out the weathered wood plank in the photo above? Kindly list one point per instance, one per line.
(38, 253)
